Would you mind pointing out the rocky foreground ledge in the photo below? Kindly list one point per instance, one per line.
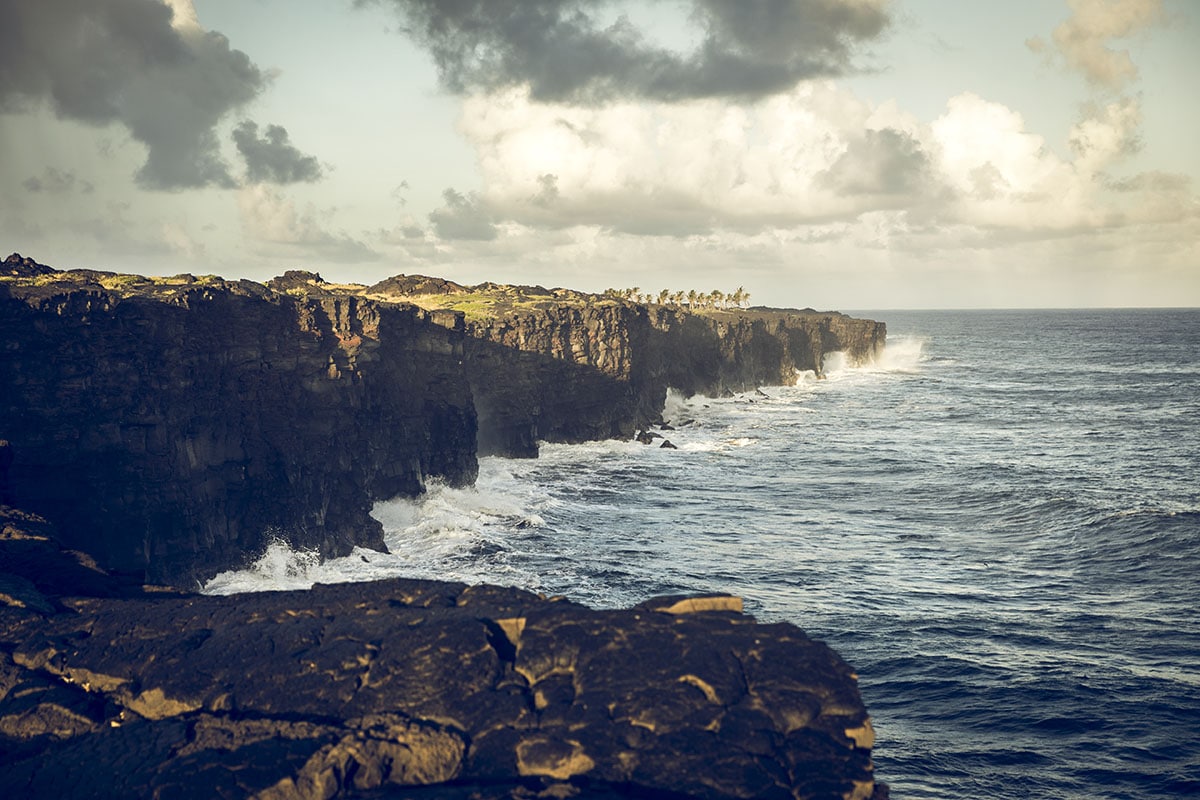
(404, 688)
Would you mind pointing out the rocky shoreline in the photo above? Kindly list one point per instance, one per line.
(158, 430)
(404, 688)
(172, 427)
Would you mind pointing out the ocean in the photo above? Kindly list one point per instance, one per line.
(997, 524)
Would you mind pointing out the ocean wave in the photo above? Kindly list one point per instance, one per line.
(902, 354)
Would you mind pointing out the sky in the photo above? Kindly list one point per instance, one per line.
(838, 154)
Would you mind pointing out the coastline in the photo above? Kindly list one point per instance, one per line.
(323, 399)
(185, 422)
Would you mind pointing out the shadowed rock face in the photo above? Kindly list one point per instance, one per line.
(356, 689)
(175, 426)
(601, 370)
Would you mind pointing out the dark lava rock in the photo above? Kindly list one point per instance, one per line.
(597, 370)
(415, 689)
(185, 422)
(181, 423)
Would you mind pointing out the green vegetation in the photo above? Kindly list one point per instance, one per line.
(493, 302)
(117, 283)
(121, 283)
(716, 299)
(474, 306)
(33, 280)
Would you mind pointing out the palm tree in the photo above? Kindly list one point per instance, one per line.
(663, 295)
(691, 296)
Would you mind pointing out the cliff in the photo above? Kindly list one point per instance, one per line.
(564, 366)
(404, 688)
(166, 428)
(173, 426)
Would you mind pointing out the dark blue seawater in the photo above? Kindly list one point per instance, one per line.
(997, 524)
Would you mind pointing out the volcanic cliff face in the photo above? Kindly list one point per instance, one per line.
(168, 428)
(174, 426)
(602, 369)
(565, 366)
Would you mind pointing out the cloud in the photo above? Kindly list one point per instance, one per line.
(463, 217)
(805, 160)
(1107, 134)
(133, 62)
(1083, 39)
(879, 162)
(180, 241)
(563, 50)
(1160, 182)
(272, 219)
(56, 181)
(655, 168)
(806, 156)
(272, 158)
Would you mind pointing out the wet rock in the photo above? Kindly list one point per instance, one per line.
(667, 445)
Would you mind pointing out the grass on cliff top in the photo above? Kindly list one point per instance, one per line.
(495, 303)
(120, 283)
(480, 306)
(138, 284)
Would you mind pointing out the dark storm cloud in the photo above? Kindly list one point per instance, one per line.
(558, 47)
(463, 217)
(106, 61)
(272, 158)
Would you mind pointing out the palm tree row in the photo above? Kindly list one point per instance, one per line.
(692, 299)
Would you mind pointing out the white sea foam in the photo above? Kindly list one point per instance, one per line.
(904, 354)
(480, 534)
(447, 533)
(678, 407)
(835, 364)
